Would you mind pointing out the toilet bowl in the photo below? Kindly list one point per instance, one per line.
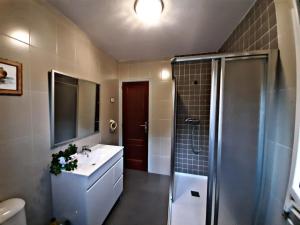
(12, 212)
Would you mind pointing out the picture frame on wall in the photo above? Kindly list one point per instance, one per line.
(10, 77)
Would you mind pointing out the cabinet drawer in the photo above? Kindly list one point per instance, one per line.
(110, 164)
(100, 199)
(118, 188)
(118, 170)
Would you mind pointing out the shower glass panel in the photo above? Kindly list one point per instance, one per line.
(234, 116)
(240, 149)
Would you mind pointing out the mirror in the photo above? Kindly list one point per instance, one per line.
(74, 108)
(298, 7)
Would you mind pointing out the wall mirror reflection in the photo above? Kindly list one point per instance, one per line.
(74, 108)
(298, 8)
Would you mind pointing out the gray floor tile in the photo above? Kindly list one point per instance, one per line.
(144, 200)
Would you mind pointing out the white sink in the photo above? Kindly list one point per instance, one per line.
(88, 163)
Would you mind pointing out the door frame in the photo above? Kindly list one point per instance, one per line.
(121, 81)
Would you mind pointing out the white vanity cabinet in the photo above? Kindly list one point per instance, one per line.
(86, 196)
(102, 195)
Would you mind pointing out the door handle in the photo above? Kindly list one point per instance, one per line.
(145, 125)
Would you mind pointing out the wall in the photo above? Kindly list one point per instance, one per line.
(281, 137)
(257, 30)
(279, 140)
(160, 108)
(42, 39)
(295, 154)
(193, 82)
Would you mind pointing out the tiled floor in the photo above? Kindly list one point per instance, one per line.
(187, 209)
(144, 200)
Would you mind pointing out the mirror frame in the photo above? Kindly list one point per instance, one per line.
(51, 84)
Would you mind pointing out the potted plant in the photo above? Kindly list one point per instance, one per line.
(63, 160)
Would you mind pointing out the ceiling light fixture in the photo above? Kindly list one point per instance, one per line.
(149, 11)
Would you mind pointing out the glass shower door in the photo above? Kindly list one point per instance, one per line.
(240, 139)
(238, 120)
(238, 123)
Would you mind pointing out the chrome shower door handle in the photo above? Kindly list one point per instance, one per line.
(145, 125)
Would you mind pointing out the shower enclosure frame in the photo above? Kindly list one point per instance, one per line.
(217, 72)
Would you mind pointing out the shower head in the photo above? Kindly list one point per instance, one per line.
(192, 121)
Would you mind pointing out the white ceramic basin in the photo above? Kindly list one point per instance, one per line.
(91, 161)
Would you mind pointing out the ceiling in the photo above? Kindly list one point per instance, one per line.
(185, 27)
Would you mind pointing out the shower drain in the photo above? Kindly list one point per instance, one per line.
(195, 194)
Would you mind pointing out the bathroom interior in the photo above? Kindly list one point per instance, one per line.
(157, 112)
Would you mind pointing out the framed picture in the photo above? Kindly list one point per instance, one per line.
(10, 77)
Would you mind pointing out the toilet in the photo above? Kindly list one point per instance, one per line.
(12, 212)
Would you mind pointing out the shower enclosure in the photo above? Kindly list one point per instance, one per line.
(224, 122)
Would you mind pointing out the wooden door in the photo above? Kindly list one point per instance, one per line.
(135, 124)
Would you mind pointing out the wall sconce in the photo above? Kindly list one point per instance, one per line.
(165, 74)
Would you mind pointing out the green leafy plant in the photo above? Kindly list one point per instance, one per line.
(63, 160)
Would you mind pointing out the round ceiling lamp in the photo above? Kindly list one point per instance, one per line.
(149, 11)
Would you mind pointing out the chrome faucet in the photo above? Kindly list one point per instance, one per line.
(85, 149)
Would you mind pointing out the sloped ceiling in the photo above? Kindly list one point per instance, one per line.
(186, 26)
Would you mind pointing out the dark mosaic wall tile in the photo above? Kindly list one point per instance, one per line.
(193, 82)
(257, 31)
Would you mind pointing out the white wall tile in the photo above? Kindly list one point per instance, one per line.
(55, 43)
(160, 106)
